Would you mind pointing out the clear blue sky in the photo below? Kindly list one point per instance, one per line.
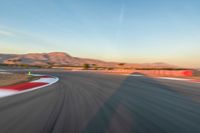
(134, 31)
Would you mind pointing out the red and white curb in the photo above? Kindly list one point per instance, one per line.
(166, 78)
(43, 81)
(180, 79)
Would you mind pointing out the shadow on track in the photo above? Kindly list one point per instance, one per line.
(151, 107)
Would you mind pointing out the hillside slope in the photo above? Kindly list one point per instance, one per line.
(64, 59)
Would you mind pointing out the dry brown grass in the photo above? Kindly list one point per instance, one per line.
(10, 79)
(195, 78)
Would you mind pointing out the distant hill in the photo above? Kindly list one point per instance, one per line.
(64, 59)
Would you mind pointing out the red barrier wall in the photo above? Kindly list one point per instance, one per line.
(174, 73)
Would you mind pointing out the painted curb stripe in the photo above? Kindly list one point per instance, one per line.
(181, 79)
(43, 81)
(167, 78)
(4, 93)
(24, 86)
(196, 80)
(170, 78)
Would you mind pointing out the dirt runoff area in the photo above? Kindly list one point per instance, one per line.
(11, 79)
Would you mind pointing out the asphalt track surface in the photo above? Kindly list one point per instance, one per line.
(83, 102)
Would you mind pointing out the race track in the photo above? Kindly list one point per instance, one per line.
(84, 102)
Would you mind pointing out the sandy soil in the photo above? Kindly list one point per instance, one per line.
(10, 79)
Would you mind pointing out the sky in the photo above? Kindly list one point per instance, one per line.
(134, 31)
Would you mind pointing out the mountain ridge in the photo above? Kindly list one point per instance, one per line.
(65, 59)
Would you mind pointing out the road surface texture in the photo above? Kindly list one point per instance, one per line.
(83, 102)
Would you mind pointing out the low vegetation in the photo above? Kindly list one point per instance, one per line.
(86, 66)
(24, 66)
